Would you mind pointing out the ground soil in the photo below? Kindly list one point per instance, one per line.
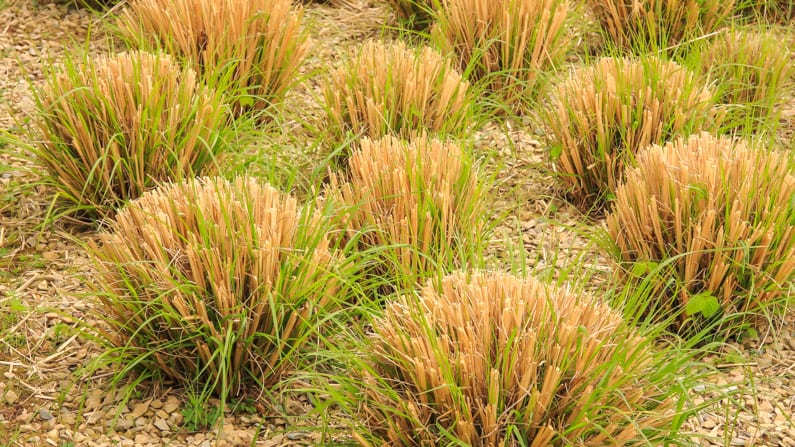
(46, 400)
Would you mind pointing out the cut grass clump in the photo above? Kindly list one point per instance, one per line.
(215, 284)
(602, 114)
(389, 89)
(720, 214)
(491, 359)
(751, 70)
(659, 25)
(112, 127)
(252, 49)
(415, 206)
(504, 44)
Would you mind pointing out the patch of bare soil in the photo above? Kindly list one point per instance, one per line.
(45, 399)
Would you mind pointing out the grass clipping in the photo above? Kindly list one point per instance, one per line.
(214, 283)
(498, 360)
(721, 213)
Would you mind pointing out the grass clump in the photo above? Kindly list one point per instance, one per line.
(389, 89)
(504, 44)
(492, 359)
(604, 113)
(658, 25)
(214, 283)
(416, 205)
(112, 127)
(751, 70)
(720, 214)
(253, 48)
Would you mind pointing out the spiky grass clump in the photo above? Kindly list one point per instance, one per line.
(112, 127)
(655, 25)
(721, 215)
(389, 89)
(770, 11)
(416, 204)
(493, 359)
(751, 70)
(604, 113)
(214, 283)
(506, 44)
(253, 48)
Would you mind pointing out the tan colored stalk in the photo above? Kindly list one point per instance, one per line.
(499, 360)
(256, 43)
(389, 89)
(510, 42)
(721, 211)
(604, 113)
(188, 264)
(422, 199)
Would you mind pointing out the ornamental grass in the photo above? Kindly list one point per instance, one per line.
(390, 89)
(253, 49)
(488, 359)
(416, 206)
(659, 25)
(602, 114)
(214, 284)
(112, 127)
(720, 215)
(751, 70)
(504, 44)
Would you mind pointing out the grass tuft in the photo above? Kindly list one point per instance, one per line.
(215, 284)
(719, 214)
(417, 206)
(504, 44)
(602, 114)
(390, 89)
(492, 359)
(110, 128)
(252, 48)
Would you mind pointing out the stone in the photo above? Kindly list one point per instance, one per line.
(45, 415)
(162, 425)
(11, 397)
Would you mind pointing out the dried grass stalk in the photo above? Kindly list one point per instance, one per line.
(493, 359)
(256, 46)
(389, 89)
(506, 43)
(420, 200)
(115, 126)
(659, 24)
(720, 211)
(604, 113)
(219, 281)
(751, 68)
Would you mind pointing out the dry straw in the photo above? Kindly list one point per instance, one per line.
(751, 70)
(493, 359)
(505, 43)
(389, 89)
(255, 47)
(418, 203)
(721, 212)
(114, 126)
(659, 24)
(216, 282)
(604, 113)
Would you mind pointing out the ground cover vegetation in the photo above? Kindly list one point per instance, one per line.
(381, 289)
